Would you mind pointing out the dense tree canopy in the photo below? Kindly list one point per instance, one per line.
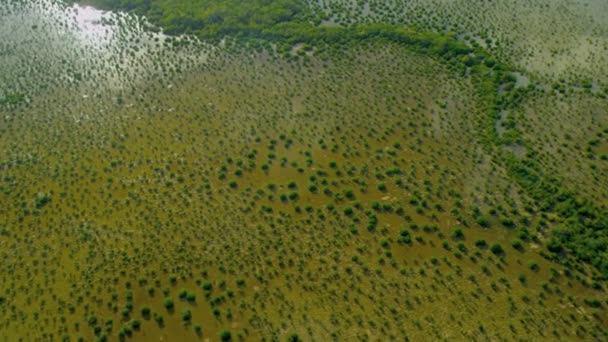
(210, 17)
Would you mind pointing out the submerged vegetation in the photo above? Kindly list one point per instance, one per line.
(311, 178)
(581, 232)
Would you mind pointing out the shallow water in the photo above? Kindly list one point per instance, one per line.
(170, 165)
(47, 44)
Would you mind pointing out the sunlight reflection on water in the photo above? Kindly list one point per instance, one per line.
(89, 22)
(46, 44)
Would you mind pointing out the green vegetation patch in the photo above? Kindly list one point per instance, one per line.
(210, 18)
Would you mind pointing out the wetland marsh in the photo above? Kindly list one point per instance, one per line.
(310, 175)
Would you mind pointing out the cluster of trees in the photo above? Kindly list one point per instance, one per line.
(12, 99)
(285, 20)
(210, 18)
(582, 234)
